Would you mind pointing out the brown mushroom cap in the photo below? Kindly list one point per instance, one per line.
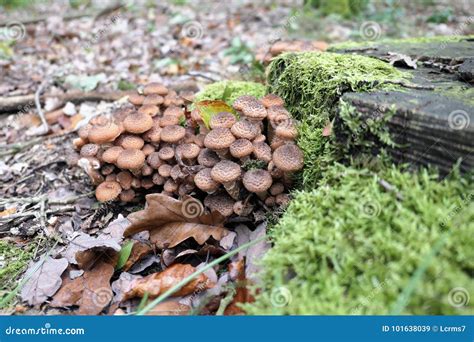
(166, 153)
(154, 160)
(275, 111)
(282, 199)
(125, 179)
(170, 186)
(153, 134)
(208, 158)
(155, 88)
(257, 180)
(89, 150)
(242, 101)
(262, 151)
(158, 179)
(272, 100)
(241, 148)
(111, 154)
(260, 138)
(226, 171)
(101, 134)
(288, 158)
(168, 120)
(138, 123)
(136, 99)
(153, 99)
(287, 130)
(244, 129)
(254, 111)
(277, 188)
(270, 201)
(222, 203)
(219, 139)
(172, 133)
(107, 191)
(129, 141)
(106, 170)
(131, 159)
(189, 151)
(165, 170)
(83, 132)
(174, 111)
(222, 119)
(148, 149)
(204, 181)
(127, 195)
(151, 110)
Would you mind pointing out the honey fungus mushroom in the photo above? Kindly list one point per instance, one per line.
(222, 119)
(258, 181)
(227, 173)
(219, 140)
(108, 191)
(205, 182)
(270, 100)
(101, 134)
(241, 149)
(220, 202)
(131, 159)
(138, 122)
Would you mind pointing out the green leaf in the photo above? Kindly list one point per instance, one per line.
(207, 109)
(124, 254)
(84, 82)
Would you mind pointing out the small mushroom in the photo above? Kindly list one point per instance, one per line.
(204, 181)
(244, 129)
(166, 153)
(158, 179)
(111, 154)
(127, 195)
(277, 188)
(147, 170)
(258, 181)
(220, 202)
(136, 99)
(222, 119)
(241, 149)
(254, 111)
(148, 149)
(154, 160)
(165, 170)
(270, 100)
(154, 133)
(172, 134)
(89, 150)
(111, 177)
(270, 201)
(170, 186)
(282, 200)
(107, 169)
(262, 151)
(242, 101)
(108, 191)
(147, 183)
(286, 130)
(168, 120)
(130, 141)
(242, 208)
(189, 152)
(155, 88)
(174, 111)
(219, 140)
(125, 179)
(150, 110)
(289, 159)
(131, 159)
(153, 99)
(101, 134)
(137, 123)
(227, 173)
(208, 158)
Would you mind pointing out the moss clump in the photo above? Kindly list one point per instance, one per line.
(13, 261)
(311, 84)
(354, 246)
(229, 91)
(404, 41)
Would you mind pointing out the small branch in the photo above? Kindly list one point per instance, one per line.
(44, 128)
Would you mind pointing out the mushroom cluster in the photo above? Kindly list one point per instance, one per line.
(232, 162)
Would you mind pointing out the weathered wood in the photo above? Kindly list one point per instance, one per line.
(431, 127)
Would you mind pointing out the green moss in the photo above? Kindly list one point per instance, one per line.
(352, 246)
(462, 93)
(404, 41)
(311, 84)
(13, 261)
(229, 91)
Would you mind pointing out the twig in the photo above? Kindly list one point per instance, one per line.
(17, 147)
(43, 213)
(44, 128)
(202, 75)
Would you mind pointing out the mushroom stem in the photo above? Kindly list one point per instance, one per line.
(233, 189)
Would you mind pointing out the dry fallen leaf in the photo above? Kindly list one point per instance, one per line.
(242, 294)
(171, 307)
(45, 281)
(170, 222)
(158, 283)
(139, 250)
(84, 242)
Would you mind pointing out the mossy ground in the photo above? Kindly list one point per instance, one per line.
(352, 247)
(13, 261)
(229, 91)
(311, 85)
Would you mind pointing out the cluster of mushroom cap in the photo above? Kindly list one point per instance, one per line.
(238, 160)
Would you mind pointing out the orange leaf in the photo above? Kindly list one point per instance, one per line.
(158, 283)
